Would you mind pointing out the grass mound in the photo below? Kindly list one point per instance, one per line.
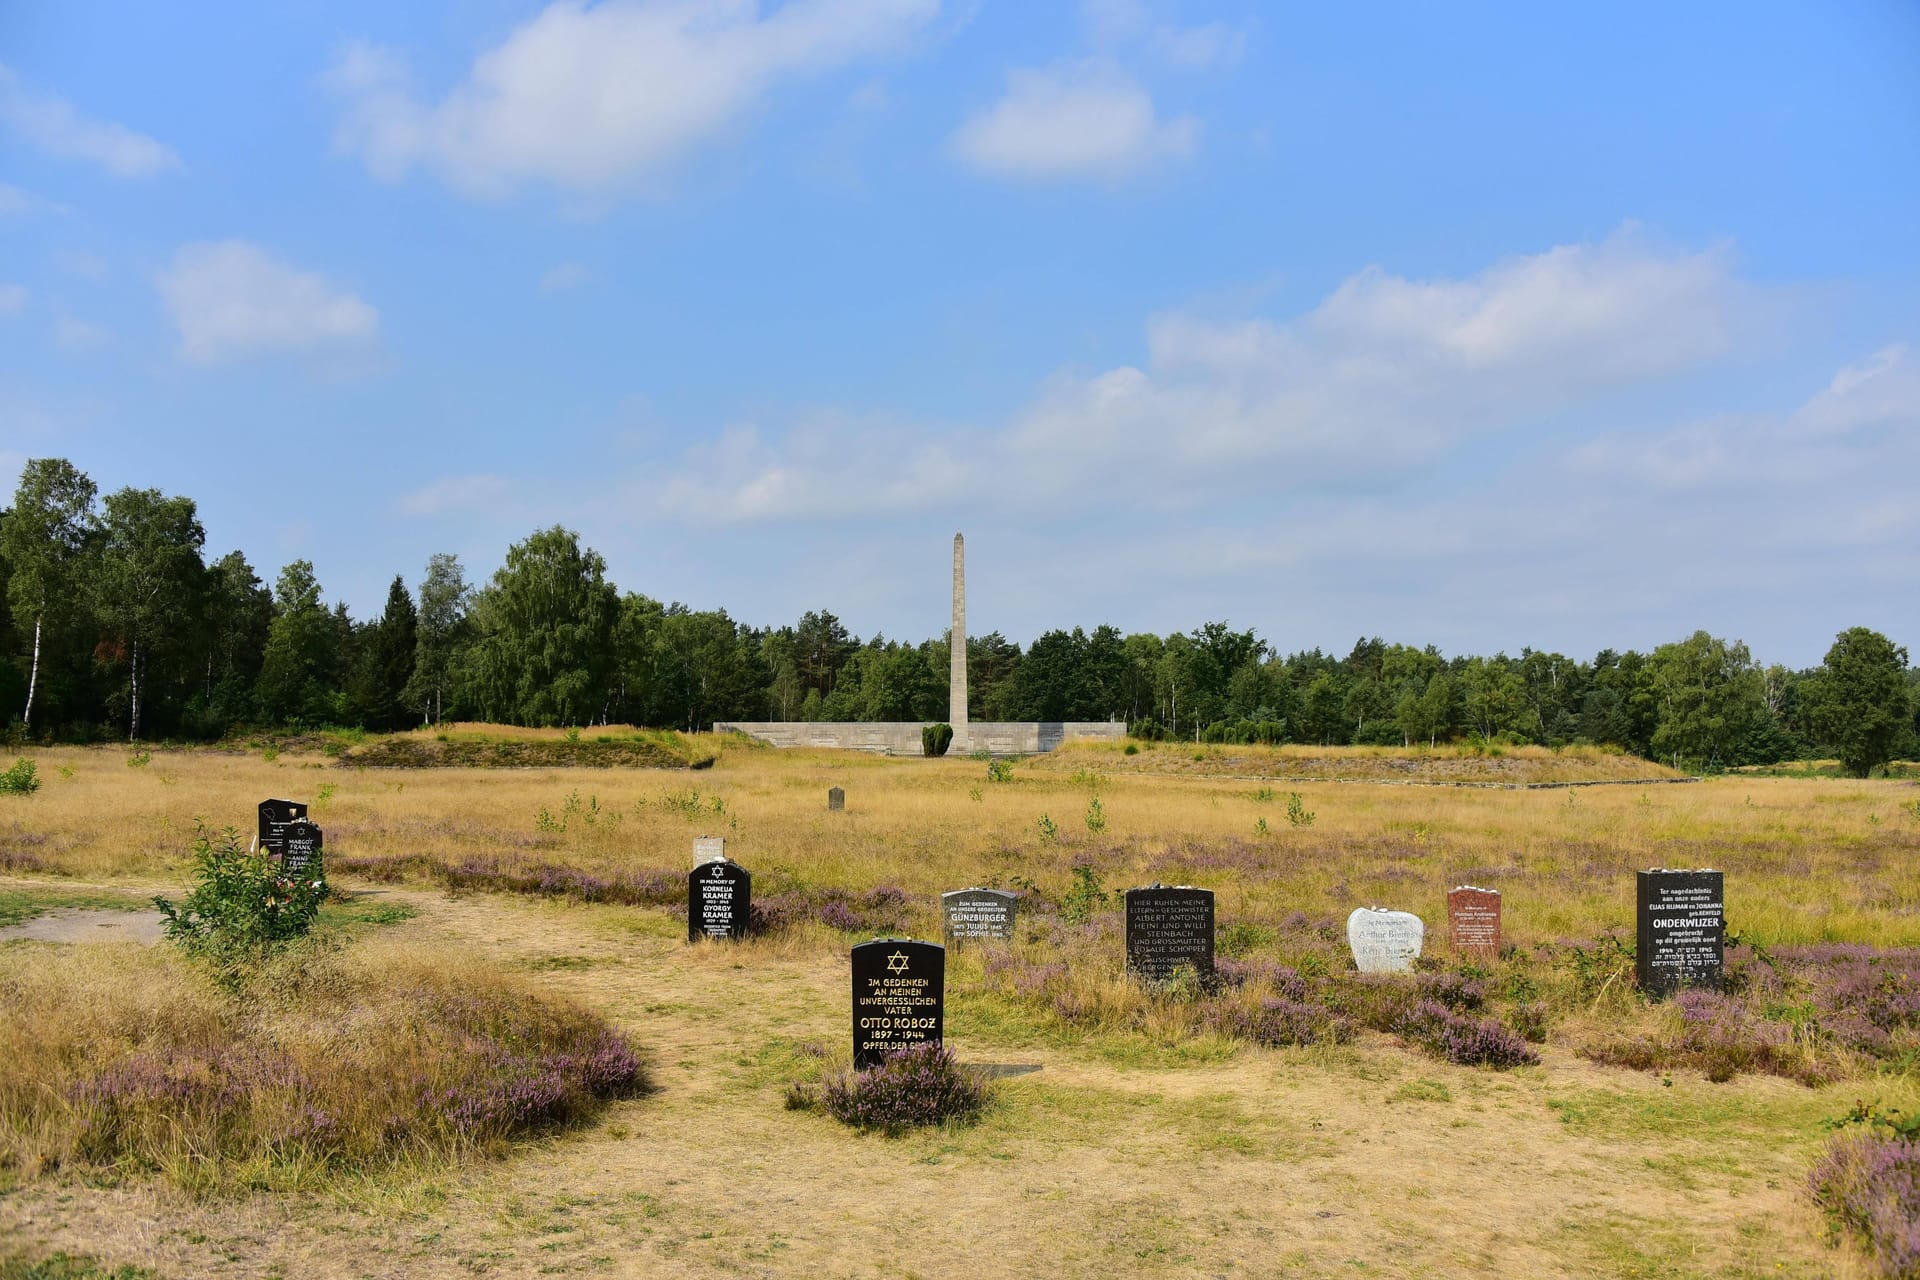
(1458, 764)
(494, 747)
(335, 1059)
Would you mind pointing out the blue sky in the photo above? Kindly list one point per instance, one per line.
(1476, 325)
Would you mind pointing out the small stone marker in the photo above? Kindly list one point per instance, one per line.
(1473, 918)
(274, 817)
(836, 799)
(1168, 926)
(899, 997)
(719, 900)
(1384, 941)
(1682, 930)
(709, 849)
(978, 913)
(300, 847)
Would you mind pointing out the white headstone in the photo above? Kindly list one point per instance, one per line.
(709, 849)
(1384, 941)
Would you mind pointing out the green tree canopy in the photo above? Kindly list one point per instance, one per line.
(1857, 700)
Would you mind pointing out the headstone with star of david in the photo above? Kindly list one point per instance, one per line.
(899, 997)
(275, 817)
(719, 900)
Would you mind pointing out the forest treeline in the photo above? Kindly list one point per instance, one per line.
(117, 625)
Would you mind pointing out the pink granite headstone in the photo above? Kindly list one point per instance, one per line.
(1473, 920)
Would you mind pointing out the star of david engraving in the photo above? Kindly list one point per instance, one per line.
(897, 962)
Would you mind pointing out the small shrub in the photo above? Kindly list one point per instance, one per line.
(1868, 1186)
(974, 793)
(325, 793)
(243, 905)
(1147, 729)
(1261, 829)
(1462, 1040)
(1049, 831)
(1096, 816)
(23, 779)
(1133, 749)
(999, 770)
(1085, 897)
(1298, 814)
(936, 738)
(918, 1086)
(1277, 1020)
(139, 759)
(270, 752)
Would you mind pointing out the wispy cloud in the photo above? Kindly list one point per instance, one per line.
(562, 277)
(453, 493)
(231, 299)
(593, 99)
(1073, 120)
(52, 125)
(13, 299)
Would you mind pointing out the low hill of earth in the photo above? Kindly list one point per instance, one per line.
(1438, 766)
(500, 747)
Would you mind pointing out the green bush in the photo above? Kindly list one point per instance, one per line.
(1085, 897)
(999, 770)
(1147, 729)
(21, 780)
(243, 906)
(936, 738)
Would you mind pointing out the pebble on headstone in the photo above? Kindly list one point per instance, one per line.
(709, 849)
(978, 913)
(1384, 941)
(274, 817)
(1682, 929)
(719, 900)
(300, 847)
(1473, 919)
(836, 799)
(1168, 926)
(899, 997)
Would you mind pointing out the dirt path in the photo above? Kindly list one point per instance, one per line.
(1360, 1161)
(86, 924)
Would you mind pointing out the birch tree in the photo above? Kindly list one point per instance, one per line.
(44, 541)
(147, 589)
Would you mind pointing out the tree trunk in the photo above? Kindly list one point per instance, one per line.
(26, 719)
(133, 676)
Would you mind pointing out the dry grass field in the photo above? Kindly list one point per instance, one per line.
(1149, 1143)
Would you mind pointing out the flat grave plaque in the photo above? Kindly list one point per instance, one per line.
(1168, 927)
(274, 817)
(719, 900)
(899, 997)
(1384, 941)
(1473, 918)
(300, 846)
(836, 799)
(1682, 928)
(709, 849)
(978, 913)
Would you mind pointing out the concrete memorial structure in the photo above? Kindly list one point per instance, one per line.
(1473, 921)
(719, 900)
(1168, 926)
(902, 737)
(836, 799)
(1681, 930)
(978, 913)
(274, 817)
(899, 997)
(300, 844)
(709, 848)
(1385, 941)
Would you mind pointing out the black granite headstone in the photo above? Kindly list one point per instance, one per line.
(300, 846)
(1169, 927)
(1682, 930)
(899, 997)
(836, 799)
(719, 900)
(274, 817)
(978, 913)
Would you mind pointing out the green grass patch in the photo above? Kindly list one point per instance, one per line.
(652, 749)
(66, 1266)
(17, 905)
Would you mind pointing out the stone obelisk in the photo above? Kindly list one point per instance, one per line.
(957, 642)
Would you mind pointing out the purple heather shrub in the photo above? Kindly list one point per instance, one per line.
(1455, 990)
(1868, 1185)
(1277, 1020)
(1285, 980)
(1463, 1040)
(920, 1085)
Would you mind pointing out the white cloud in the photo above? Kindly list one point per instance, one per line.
(56, 128)
(1073, 120)
(231, 299)
(564, 276)
(594, 98)
(13, 299)
(1385, 375)
(78, 262)
(1123, 23)
(453, 493)
(75, 336)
